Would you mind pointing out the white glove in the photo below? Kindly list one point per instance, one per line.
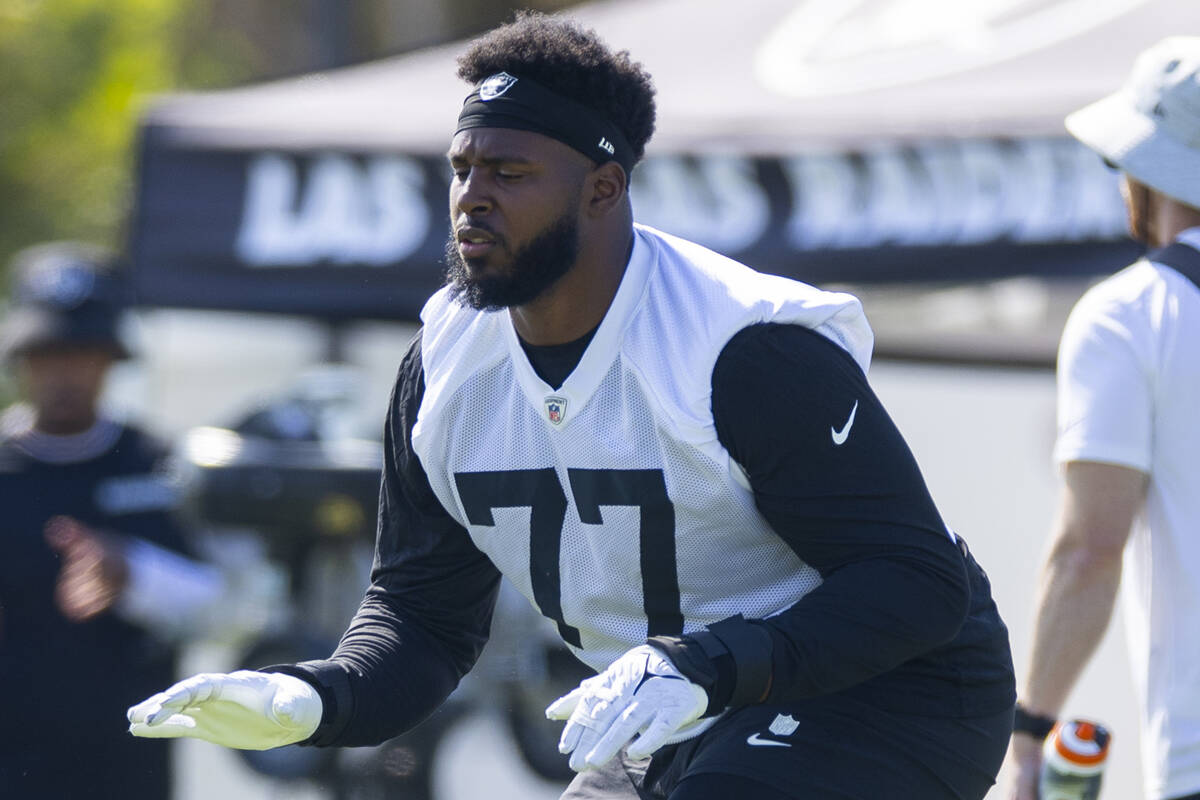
(641, 692)
(244, 709)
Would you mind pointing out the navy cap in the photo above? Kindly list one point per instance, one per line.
(64, 294)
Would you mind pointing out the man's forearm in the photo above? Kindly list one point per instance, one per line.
(1076, 594)
(1080, 580)
(385, 677)
(835, 637)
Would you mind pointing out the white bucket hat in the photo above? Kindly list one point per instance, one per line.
(1151, 128)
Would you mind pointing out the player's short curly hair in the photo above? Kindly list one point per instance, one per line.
(573, 61)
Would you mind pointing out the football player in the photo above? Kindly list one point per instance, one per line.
(677, 460)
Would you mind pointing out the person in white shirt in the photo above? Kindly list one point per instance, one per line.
(1129, 441)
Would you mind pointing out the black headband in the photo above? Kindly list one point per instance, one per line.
(504, 101)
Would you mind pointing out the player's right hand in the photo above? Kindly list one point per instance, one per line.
(94, 571)
(641, 695)
(245, 710)
(1025, 767)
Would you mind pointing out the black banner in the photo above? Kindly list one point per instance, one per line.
(342, 235)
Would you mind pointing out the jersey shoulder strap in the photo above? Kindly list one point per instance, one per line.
(1180, 257)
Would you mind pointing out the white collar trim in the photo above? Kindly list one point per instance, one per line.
(17, 426)
(597, 359)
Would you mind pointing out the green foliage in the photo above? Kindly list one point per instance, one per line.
(73, 76)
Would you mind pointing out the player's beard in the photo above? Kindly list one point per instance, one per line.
(533, 269)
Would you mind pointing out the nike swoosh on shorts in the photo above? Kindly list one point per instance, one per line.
(755, 740)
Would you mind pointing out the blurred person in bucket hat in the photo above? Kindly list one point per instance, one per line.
(1128, 440)
(67, 294)
(94, 570)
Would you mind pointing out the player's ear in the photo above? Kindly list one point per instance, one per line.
(605, 189)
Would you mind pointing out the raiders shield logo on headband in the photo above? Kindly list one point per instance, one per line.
(493, 87)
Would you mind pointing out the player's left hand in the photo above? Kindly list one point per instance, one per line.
(640, 693)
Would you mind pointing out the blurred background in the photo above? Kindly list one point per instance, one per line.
(74, 77)
(272, 175)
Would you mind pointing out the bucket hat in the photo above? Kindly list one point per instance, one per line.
(1150, 128)
(64, 294)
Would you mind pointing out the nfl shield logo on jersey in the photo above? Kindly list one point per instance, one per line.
(556, 409)
(783, 725)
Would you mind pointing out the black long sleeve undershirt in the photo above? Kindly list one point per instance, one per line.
(894, 584)
(903, 613)
(426, 615)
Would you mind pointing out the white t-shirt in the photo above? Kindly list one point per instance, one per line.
(1129, 394)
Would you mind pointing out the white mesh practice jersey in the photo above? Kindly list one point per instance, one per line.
(609, 502)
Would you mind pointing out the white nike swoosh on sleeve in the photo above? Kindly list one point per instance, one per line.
(839, 437)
